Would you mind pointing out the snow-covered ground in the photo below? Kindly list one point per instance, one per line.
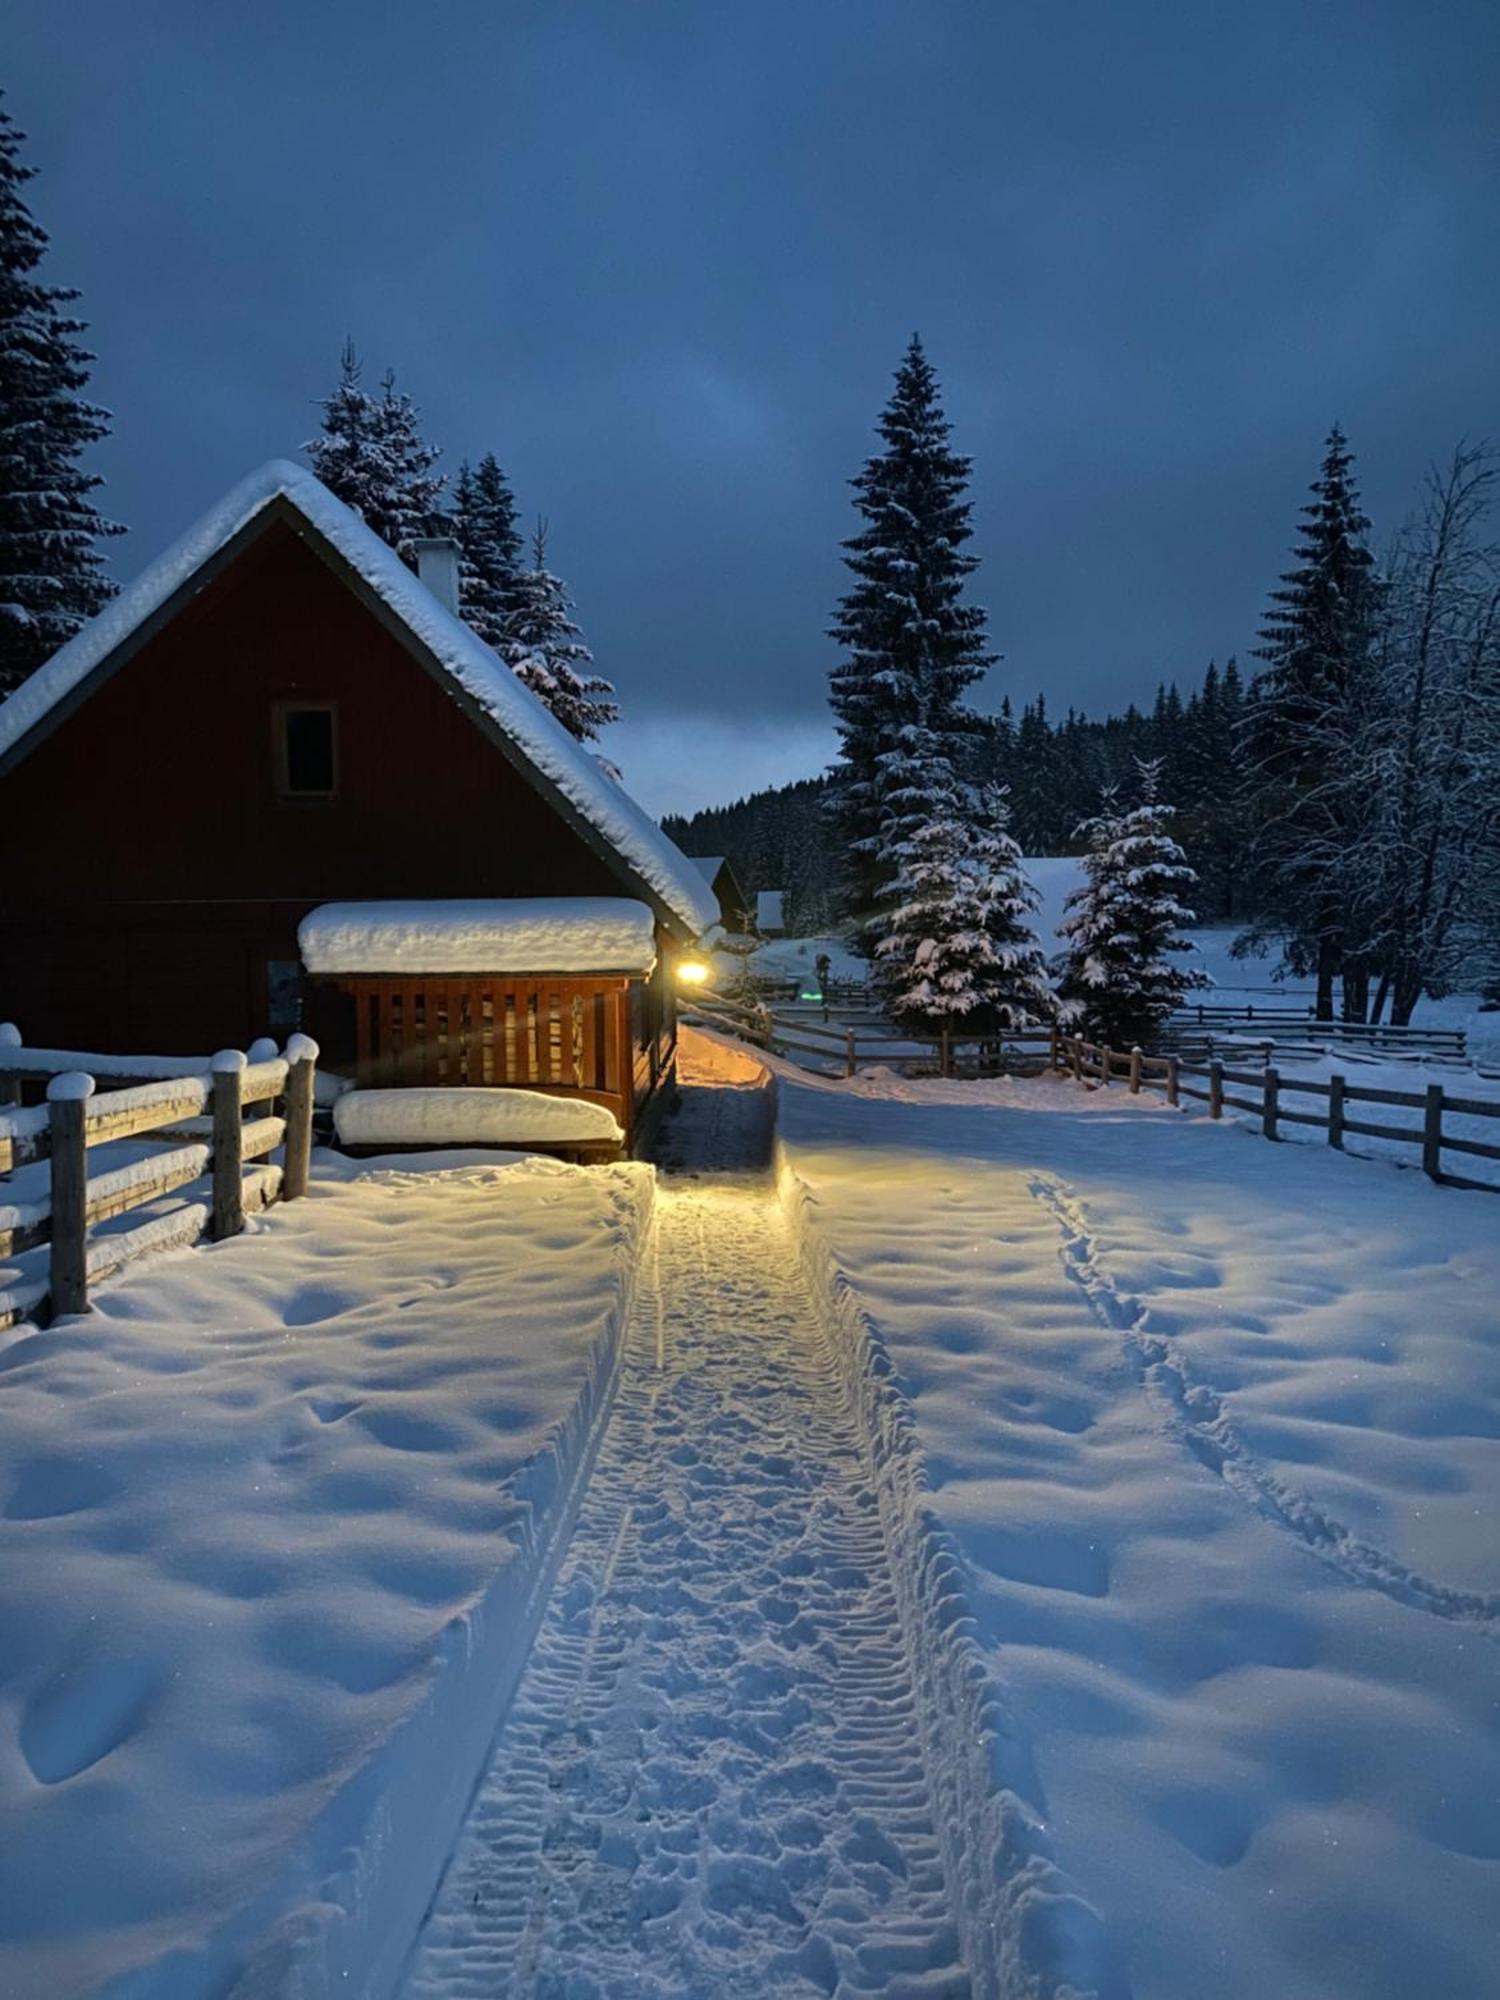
(1215, 1424)
(274, 1525)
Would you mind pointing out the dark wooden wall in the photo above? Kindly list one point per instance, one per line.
(153, 871)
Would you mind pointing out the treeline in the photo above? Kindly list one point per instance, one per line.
(776, 839)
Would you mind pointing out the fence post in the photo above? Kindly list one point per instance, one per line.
(1432, 1132)
(1106, 1056)
(1271, 1108)
(67, 1109)
(1215, 1087)
(850, 1063)
(1135, 1070)
(10, 1083)
(1052, 1046)
(1174, 1093)
(228, 1218)
(945, 1050)
(302, 1068)
(1336, 1112)
(765, 1024)
(1077, 1053)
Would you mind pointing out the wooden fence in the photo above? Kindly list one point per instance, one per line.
(1178, 1077)
(1035, 1050)
(1286, 1025)
(227, 1118)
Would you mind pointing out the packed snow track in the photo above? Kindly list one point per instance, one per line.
(711, 1780)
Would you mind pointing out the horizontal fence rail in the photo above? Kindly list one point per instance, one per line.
(220, 1120)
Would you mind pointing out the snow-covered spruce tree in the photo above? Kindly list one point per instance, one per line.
(1017, 991)
(1123, 973)
(933, 947)
(483, 523)
(911, 646)
(546, 649)
(51, 577)
(1303, 719)
(370, 453)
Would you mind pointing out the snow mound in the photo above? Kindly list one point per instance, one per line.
(585, 934)
(480, 674)
(274, 1522)
(469, 1117)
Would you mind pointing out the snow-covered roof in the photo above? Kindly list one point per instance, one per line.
(580, 934)
(565, 769)
(769, 909)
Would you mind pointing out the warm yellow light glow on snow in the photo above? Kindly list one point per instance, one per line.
(692, 971)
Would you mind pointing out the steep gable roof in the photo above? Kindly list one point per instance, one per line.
(560, 767)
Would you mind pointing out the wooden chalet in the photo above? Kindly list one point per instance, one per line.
(734, 904)
(279, 716)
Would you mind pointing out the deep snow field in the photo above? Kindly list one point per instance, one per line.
(273, 1520)
(1215, 1425)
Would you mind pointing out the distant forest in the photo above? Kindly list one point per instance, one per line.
(1056, 772)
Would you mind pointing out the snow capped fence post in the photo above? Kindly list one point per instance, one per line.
(10, 1083)
(1215, 1088)
(1174, 1089)
(1432, 1132)
(1271, 1108)
(851, 1061)
(945, 1050)
(1336, 1112)
(1052, 1046)
(228, 1069)
(67, 1105)
(1106, 1061)
(1135, 1071)
(302, 1063)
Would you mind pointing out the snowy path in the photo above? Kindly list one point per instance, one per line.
(711, 1780)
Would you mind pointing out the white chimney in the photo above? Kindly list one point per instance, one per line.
(437, 566)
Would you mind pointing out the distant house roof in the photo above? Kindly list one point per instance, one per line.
(592, 934)
(768, 909)
(707, 865)
(560, 767)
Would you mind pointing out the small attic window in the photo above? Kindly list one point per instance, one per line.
(305, 749)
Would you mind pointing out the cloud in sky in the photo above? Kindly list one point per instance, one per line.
(663, 260)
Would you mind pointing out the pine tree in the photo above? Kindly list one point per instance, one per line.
(912, 647)
(1303, 719)
(51, 577)
(371, 454)
(483, 523)
(1014, 982)
(934, 948)
(546, 649)
(1122, 974)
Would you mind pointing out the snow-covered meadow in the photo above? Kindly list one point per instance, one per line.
(1214, 1425)
(275, 1525)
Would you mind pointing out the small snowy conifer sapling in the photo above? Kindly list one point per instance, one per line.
(1123, 972)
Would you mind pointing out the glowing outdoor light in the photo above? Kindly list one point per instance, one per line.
(692, 971)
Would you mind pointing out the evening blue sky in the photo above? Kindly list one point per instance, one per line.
(662, 259)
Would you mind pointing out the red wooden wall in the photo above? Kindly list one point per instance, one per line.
(152, 869)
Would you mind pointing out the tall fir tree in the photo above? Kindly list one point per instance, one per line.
(482, 521)
(933, 947)
(1123, 973)
(52, 578)
(370, 452)
(546, 649)
(912, 647)
(1303, 719)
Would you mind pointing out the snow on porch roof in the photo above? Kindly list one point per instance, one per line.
(564, 766)
(577, 934)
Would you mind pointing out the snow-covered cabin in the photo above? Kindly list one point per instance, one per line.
(734, 905)
(770, 912)
(279, 715)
